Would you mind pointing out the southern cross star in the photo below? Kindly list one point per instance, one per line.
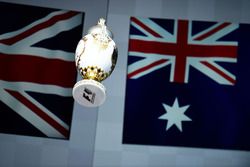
(175, 115)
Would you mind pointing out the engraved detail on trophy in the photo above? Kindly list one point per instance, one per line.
(94, 73)
(88, 95)
(95, 57)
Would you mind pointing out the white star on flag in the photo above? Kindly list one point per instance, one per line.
(175, 115)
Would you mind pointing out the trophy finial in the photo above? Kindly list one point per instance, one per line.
(102, 22)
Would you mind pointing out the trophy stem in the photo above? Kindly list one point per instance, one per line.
(89, 93)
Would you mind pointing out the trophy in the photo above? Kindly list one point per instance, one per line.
(95, 57)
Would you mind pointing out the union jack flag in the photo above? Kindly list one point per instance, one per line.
(181, 48)
(188, 84)
(37, 69)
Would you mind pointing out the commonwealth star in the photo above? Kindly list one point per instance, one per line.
(175, 115)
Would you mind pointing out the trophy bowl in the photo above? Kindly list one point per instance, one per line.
(95, 57)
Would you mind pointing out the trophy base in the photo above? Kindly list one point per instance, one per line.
(89, 93)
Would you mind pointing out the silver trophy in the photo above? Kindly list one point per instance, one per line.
(96, 56)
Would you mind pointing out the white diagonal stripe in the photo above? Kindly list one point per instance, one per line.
(221, 69)
(34, 87)
(29, 115)
(194, 62)
(14, 33)
(204, 31)
(23, 46)
(212, 39)
(148, 59)
(158, 29)
(45, 110)
(51, 31)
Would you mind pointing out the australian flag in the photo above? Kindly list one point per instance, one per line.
(37, 69)
(188, 84)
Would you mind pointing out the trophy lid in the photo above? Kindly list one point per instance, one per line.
(101, 29)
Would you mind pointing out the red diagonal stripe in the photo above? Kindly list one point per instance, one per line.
(203, 36)
(156, 63)
(221, 73)
(37, 70)
(145, 27)
(38, 27)
(39, 112)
